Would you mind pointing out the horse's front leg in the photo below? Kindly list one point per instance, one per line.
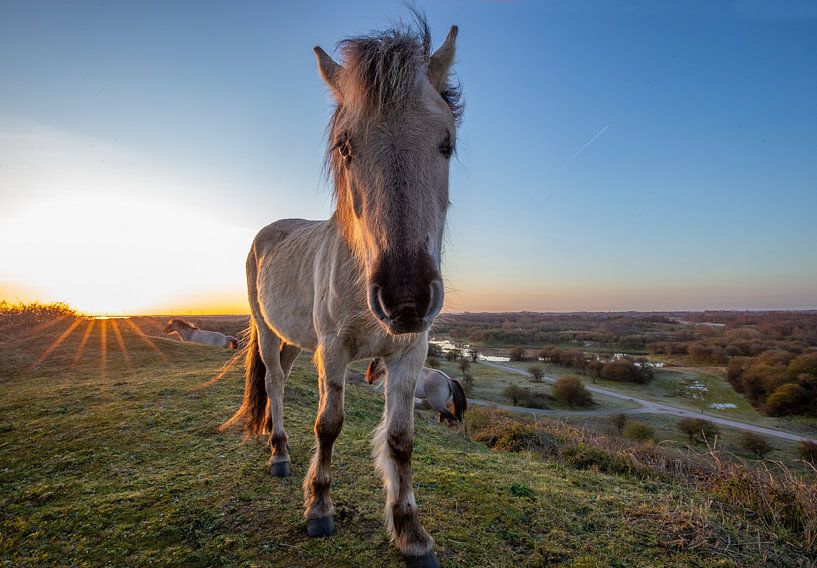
(331, 365)
(393, 445)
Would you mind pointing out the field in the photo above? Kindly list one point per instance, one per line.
(110, 454)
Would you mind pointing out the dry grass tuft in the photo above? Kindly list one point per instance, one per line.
(780, 502)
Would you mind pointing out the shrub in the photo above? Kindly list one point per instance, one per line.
(433, 363)
(517, 354)
(698, 429)
(805, 363)
(787, 399)
(570, 390)
(807, 451)
(638, 431)
(756, 444)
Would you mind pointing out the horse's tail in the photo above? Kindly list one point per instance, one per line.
(232, 342)
(253, 413)
(459, 399)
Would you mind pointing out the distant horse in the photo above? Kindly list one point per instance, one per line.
(437, 388)
(365, 283)
(191, 334)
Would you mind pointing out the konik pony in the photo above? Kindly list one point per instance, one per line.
(192, 334)
(366, 282)
(444, 394)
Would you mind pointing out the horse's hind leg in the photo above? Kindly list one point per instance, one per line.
(317, 502)
(393, 445)
(272, 353)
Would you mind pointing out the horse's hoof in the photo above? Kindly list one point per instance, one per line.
(427, 560)
(320, 527)
(280, 469)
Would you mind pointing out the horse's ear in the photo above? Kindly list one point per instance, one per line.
(330, 71)
(441, 61)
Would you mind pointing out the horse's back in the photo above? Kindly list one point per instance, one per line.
(281, 277)
(271, 236)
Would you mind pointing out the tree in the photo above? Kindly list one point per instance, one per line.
(536, 373)
(473, 353)
(751, 442)
(452, 355)
(433, 363)
(570, 390)
(517, 354)
(619, 421)
(464, 365)
(514, 393)
(639, 431)
(469, 383)
(698, 428)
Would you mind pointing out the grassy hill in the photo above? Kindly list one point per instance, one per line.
(110, 454)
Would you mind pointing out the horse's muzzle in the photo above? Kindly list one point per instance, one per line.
(406, 317)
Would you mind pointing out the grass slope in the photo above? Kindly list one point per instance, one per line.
(118, 461)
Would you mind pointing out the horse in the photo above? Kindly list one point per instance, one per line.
(443, 393)
(192, 334)
(366, 282)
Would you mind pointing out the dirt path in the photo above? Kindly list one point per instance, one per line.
(647, 407)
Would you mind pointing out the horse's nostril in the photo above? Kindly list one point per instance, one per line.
(374, 298)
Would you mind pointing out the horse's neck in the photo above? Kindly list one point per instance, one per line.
(185, 333)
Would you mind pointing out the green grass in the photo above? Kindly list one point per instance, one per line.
(122, 464)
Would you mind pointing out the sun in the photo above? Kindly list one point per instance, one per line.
(108, 255)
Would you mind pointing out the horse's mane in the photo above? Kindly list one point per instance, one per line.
(182, 323)
(380, 73)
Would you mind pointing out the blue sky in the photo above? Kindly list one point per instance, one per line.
(700, 191)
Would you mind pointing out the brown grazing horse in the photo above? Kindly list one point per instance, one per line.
(366, 282)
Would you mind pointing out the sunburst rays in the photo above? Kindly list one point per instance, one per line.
(56, 343)
(220, 375)
(118, 336)
(103, 347)
(138, 330)
(119, 326)
(83, 342)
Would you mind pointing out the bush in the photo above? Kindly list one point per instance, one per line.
(756, 444)
(807, 451)
(786, 400)
(698, 429)
(517, 354)
(639, 431)
(433, 363)
(570, 390)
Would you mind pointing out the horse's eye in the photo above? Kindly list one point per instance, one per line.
(446, 148)
(345, 149)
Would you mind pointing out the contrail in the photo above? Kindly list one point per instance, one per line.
(580, 150)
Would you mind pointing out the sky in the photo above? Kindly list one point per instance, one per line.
(613, 156)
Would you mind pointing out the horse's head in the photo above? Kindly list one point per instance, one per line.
(390, 141)
(175, 325)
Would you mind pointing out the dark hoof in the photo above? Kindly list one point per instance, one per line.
(320, 527)
(427, 560)
(280, 469)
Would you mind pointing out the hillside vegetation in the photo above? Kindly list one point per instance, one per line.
(110, 454)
